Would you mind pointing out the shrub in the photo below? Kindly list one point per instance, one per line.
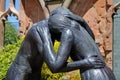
(48, 75)
(7, 55)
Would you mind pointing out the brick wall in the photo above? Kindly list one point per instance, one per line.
(30, 12)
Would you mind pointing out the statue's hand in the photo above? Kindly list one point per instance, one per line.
(94, 62)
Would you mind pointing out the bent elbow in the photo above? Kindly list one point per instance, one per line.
(55, 69)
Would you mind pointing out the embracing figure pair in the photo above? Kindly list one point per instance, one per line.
(76, 40)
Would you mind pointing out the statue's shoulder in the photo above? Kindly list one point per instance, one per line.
(39, 26)
(41, 23)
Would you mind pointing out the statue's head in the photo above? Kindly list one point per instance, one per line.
(61, 10)
(61, 18)
(58, 22)
(65, 12)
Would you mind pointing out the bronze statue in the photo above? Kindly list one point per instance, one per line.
(37, 47)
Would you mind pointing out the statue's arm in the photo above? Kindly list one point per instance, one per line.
(58, 62)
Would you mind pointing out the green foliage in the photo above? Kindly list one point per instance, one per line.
(56, 45)
(11, 34)
(7, 55)
(48, 75)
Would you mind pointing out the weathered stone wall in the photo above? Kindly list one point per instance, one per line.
(1, 34)
(2, 8)
(30, 12)
(98, 14)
